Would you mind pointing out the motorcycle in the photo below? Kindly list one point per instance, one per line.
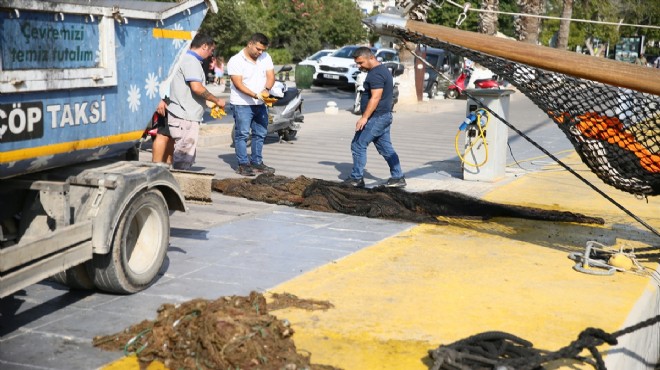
(395, 68)
(456, 89)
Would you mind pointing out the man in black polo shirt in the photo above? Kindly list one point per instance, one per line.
(374, 125)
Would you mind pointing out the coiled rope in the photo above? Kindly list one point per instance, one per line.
(504, 351)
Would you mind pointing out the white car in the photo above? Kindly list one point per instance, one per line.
(313, 60)
(339, 68)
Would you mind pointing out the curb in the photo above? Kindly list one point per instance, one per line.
(214, 135)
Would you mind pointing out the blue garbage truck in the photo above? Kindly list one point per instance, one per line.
(79, 82)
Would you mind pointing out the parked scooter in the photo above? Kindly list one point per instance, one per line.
(395, 68)
(456, 89)
(285, 116)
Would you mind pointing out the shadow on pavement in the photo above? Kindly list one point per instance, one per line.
(10, 321)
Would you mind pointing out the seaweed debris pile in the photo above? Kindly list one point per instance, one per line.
(231, 332)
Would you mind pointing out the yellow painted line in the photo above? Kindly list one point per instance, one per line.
(20, 154)
(435, 285)
(131, 362)
(160, 33)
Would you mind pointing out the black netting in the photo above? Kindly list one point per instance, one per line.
(381, 201)
(615, 131)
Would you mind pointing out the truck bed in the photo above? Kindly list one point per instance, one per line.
(80, 80)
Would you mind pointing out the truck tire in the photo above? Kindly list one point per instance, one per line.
(133, 154)
(139, 246)
(76, 277)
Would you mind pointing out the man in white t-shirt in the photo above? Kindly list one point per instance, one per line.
(176, 141)
(252, 73)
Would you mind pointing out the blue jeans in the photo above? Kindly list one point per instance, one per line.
(377, 130)
(250, 118)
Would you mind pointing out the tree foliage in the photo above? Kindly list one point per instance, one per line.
(300, 26)
(585, 34)
(304, 26)
(233, 25)
(641, 12)
(447, 15)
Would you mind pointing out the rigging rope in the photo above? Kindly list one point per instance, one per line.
(469, 8)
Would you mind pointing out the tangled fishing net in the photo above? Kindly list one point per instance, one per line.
(381, 202)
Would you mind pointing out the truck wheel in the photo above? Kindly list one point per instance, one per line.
(75, 278)
(139, 246)
(133, 154)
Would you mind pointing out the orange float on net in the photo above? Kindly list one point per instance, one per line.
(610, 129)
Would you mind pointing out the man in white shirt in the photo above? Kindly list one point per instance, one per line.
(252, 74)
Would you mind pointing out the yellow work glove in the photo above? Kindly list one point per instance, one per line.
(267, 99)
(216, 111)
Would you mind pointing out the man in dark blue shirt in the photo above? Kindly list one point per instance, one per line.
(374, 125)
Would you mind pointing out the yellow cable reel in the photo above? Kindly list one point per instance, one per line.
(479, 114)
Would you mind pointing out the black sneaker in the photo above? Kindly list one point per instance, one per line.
(245, 170)
(262, 168)
(354, 182)
(396, 183)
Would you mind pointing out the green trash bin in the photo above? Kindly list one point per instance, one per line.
(304, 76)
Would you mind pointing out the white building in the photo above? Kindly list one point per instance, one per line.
(369, 6)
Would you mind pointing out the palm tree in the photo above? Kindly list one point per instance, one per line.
(565, 25)
(488, 21)
(527, 28)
